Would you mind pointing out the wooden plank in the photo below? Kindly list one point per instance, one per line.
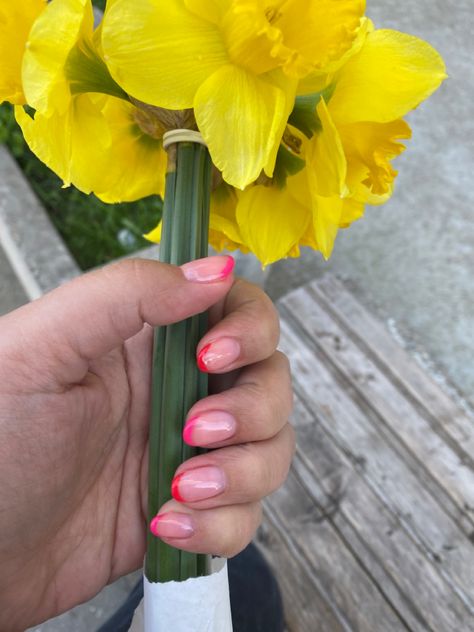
(317, 547)
(446, 464)
(446, 416)
(395, 562)
(305, 608)
(399, 488)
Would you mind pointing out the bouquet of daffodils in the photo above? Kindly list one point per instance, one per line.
(265, 125)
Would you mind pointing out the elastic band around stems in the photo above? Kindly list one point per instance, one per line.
(182, 136)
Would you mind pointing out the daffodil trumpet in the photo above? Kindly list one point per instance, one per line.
(177, 381)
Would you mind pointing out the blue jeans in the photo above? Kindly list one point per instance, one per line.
(254, 596)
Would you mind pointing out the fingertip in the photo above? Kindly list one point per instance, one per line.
(209, 269)
(172, 525)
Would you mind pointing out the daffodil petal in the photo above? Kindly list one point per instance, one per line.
(16, 20)
(160, 52)
(155, 235)
(392, 74)
(369, 148)
(309, 238)
(327, 213)
(53, 36)
(223, 213)
(97, 146)
(271, 222)
(242, 118)
(352, 210)
(211, 10)
(327, 165)
(69, 144)
(136, 162)
(326, 172)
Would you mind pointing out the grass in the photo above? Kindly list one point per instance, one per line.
(94, 232)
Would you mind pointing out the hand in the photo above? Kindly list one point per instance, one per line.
(74, 401)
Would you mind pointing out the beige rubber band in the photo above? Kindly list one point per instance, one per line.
(182, 136)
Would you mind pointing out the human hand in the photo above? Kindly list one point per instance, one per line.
(74, 402)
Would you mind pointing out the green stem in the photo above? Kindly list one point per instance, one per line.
(177, 383)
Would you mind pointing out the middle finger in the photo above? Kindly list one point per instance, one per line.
(254, 409)
(237, 474)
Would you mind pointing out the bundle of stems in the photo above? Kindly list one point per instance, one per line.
(177, 382)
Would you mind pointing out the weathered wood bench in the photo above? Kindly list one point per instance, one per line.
(374, 530)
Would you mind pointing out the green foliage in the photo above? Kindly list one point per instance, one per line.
(94, 232)
(287, 164)
(304, 116)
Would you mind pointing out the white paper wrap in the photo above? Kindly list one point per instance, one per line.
(196, 605)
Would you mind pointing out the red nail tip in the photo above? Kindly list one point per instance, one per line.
(154, 525)
(175, 488)
(228, 268)
(200, 359)
(188, 430)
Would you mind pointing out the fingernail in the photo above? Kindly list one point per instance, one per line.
(172, 525)
(218, 355)
(199, 484)
(209, 427)
(209, 270)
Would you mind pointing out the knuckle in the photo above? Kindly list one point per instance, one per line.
(260, 309)
(134, 268)
(258, 400)
(253, 473)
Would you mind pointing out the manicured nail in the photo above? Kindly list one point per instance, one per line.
(209, 270)
(208, 428)
(218, 355)
(172, 525)
(199, 484)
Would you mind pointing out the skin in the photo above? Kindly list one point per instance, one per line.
(74, 401)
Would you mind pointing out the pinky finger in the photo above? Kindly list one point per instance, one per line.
(223, 531)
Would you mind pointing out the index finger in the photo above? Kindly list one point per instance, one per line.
(248, 330)
(58, 335)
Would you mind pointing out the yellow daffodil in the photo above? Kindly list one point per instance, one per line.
(62, 58)
(100, 146)
(236, 62)
(301, 104)
(16, 20)
(353, 130)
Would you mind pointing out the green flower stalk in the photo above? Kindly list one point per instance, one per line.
(177, 381)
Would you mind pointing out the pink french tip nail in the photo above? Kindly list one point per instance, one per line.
(209, 270)
(218, 355)
(199, 484)
(208, 428)
(172, 525)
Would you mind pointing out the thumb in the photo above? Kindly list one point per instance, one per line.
(81, 321)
